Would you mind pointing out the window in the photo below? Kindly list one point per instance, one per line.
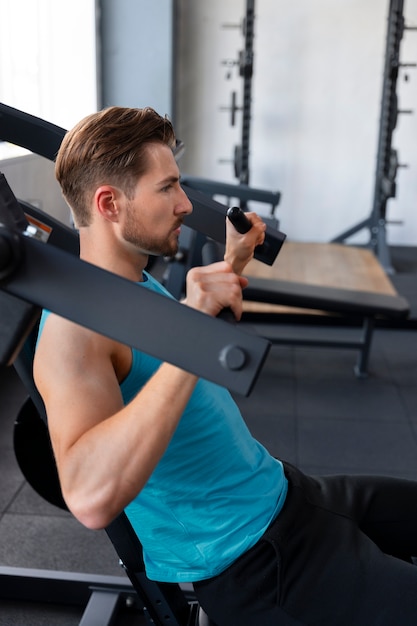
(48, 68)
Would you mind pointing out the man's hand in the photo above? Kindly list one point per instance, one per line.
(217, 286)
(240, 248)
(211, 288)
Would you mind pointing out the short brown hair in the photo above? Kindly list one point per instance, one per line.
(107, 147)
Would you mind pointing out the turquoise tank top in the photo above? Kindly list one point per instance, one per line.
(215, 490)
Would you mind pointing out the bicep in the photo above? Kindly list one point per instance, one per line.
(75, 376)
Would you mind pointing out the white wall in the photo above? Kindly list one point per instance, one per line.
(48, 58)
(315, 114)
(32, 178)
(47, 69)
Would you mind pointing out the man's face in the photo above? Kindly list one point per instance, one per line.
(154, 216)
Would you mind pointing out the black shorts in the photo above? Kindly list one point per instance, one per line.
(337, 555)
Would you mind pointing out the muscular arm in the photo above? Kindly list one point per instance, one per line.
(105, 452)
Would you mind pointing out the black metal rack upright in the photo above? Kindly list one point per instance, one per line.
(245, 63)
(387, 157)
(246, 72)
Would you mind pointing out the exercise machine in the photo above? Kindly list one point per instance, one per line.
(34, 275)
(207, 220)
(22, 294)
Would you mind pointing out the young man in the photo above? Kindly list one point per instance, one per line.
(262, 543)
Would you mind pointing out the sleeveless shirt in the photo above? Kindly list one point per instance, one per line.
(215, 490)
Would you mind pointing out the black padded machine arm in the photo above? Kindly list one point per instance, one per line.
(88, 295)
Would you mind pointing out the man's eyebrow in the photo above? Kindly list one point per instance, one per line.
(169, 179)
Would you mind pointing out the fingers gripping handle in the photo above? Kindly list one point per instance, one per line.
(211, 253)
(231, 357)
(269, 249)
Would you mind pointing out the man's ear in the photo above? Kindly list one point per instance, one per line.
(107, 201)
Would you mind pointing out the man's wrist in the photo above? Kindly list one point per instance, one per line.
(236, 265)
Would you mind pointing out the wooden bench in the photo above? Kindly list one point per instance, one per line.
(314, 279)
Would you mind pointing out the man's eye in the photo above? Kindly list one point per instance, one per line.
(166, 188)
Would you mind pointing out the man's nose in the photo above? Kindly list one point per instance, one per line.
(184, 204)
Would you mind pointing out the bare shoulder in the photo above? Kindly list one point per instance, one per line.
(64, 344)
(75, 373)
(76, 366)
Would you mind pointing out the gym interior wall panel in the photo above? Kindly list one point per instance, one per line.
(316, 99)
(136, 53)
(209, 37)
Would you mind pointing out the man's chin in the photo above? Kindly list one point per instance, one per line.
(170, 255)
(167, 253)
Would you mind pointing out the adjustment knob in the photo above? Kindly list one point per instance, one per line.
(232, 358)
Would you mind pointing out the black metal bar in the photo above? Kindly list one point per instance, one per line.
(232, 190)
(163, 601)
(102, 608)
(362, 364)
(246, 70)
(45, 586)
(310, 342)
(362, 342)
(30, 132)
(113, 306)
(388, 116)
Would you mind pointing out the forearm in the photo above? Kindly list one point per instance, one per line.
(111, 462)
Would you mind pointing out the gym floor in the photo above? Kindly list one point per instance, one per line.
(307, 407)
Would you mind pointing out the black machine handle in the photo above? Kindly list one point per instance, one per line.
(269, 249)
(208, 218)
(239, 220)
(210, 252)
